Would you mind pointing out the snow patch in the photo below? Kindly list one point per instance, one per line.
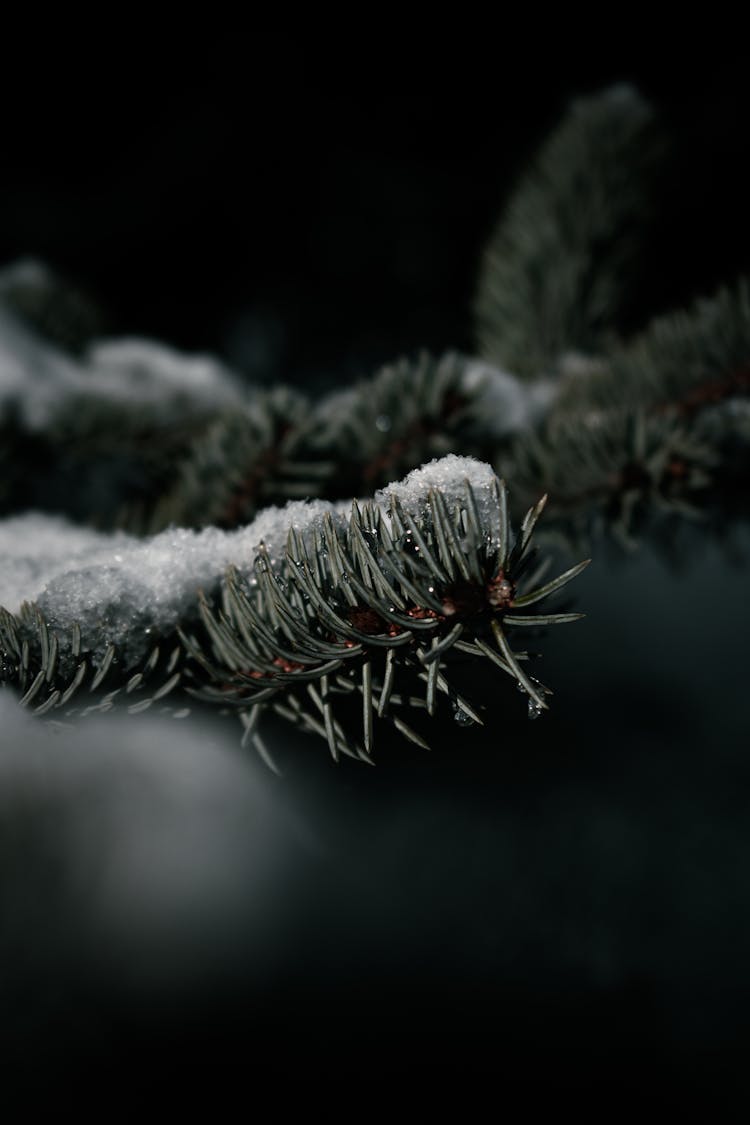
(501, 403)
(139, 845)
(448, 475)
(136, 369)
(128, 591)
(37, 381)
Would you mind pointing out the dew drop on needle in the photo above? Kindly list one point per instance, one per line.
(462, 718)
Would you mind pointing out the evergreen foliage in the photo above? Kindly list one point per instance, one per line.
(556, 402)
(384, 597)
(348, 603)
(556, 268)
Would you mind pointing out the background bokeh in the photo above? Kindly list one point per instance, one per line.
(309, 211)
(559, 905)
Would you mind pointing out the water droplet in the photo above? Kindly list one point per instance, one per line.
(534, 710)
(406, 543)
(383, 423)
(461, 717)
(519, 686)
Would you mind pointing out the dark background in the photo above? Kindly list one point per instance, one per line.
(559, 905)
(312, 208)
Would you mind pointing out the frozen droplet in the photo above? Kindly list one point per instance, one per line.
(462, 717)
(383, 423)
(533, 710)
(406, 543)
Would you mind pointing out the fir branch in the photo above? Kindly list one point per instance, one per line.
(373, 604)
(194, 449)
(683, 362)
(54, 674)
(241, 462)
(378, 600)
(555, 270)
(611, 469)
(280, 446)
(405, 415)
(662, 425)
(691, 359)
(106, 463)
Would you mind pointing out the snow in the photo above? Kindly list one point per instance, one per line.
(136, 369)
(138, 843)
(449, 476)
(503, 404)
(35, 549)
(37, 380)
(34, 378)
(127, 591)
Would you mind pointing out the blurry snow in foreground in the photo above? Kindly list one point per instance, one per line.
(151, 844)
